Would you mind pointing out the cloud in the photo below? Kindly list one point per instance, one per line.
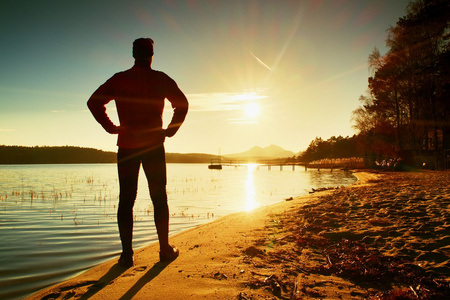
(221, 101)
(242, 121)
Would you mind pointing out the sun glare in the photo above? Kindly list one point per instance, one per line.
(251, 110)
(248, 106)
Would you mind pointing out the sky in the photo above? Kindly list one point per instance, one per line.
(255, 73)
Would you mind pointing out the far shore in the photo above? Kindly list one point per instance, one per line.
(386, 235)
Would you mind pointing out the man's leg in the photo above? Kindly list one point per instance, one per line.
(154, 164)
(161, 213)
(128, 164)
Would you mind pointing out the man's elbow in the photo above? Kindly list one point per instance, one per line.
(91, 101)
(90, 105)
(97, 101)
(182, 108)
(185, 106)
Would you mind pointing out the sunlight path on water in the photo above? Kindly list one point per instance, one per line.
(251, 203)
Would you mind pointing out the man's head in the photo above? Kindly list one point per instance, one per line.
(142, 48)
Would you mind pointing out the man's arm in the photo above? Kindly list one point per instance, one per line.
(96, 104)
(180, 108)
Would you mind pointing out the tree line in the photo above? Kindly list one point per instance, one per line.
(53, 155)
(334, 147)
(406, 111)
(77, 155)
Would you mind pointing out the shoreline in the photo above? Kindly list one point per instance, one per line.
(280, 250)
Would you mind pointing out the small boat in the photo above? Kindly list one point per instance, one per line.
(215, 167)
(216, 164)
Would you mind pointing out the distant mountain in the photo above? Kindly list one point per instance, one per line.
(188, 158)
(269, 152)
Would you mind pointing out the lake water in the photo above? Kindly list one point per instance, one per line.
(59, 220)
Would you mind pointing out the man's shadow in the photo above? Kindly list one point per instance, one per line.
(115, 272)
(152, 273)
(96, 286)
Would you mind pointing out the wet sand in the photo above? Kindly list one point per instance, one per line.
(386, 236)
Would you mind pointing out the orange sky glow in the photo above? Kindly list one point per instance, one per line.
(255, 72)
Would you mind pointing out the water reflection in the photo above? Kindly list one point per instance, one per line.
(250, 202)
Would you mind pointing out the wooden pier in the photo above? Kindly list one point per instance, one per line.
(335, 163)
(264, 164)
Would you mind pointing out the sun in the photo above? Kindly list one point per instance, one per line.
(251, 110)
(249, 106)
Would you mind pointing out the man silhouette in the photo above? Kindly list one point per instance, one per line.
(140, 93)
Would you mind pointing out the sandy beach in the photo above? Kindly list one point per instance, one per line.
(385, 237)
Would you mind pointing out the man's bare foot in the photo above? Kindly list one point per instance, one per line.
(169, 254)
